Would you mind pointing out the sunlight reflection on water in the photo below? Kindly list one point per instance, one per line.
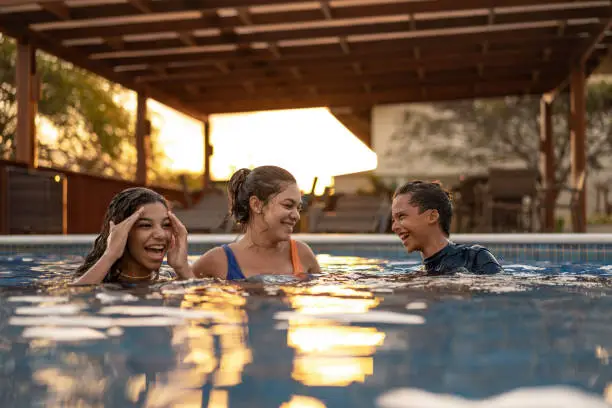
(359, 334)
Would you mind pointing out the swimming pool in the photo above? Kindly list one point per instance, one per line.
(365, 333)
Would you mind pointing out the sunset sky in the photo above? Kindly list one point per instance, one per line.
(307, 142)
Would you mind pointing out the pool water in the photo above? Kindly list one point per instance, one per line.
(365, 333)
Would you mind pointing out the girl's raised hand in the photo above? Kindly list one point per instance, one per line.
(118, 235)
(177, 254)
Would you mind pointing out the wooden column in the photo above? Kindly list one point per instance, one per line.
(142, 132)
(27, 103)
(547, 166)
(208, 151)
(578, 143)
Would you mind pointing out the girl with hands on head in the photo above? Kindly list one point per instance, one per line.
(137, 233)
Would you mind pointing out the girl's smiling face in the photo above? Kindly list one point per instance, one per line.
(282, 212)
(149, 238)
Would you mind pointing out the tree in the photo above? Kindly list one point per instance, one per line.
(93, 130)
(484, 131)
(8, 108)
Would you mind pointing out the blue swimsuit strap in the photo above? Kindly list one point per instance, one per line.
(233, 269)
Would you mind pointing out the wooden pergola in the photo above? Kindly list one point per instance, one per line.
(213, 56)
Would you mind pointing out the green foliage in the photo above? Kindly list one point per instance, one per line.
(483, 132)
(8, 108)
(599, 219)
(96, 133)
(95, 130)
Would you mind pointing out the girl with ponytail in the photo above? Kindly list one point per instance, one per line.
(265, 202)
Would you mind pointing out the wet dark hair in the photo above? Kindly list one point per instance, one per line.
(430, 196)
(263, 182)
(121, 207)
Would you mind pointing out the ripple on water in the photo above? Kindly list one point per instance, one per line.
(332, 331)
(536, 397)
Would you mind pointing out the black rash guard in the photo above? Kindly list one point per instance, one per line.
(462, 258)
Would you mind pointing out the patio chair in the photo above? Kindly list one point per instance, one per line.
(209, 214)
(466, 203)
(508, 200)
(352, 214)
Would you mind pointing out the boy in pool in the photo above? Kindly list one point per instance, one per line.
(422, 214)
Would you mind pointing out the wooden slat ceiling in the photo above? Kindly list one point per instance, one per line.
(212, 56)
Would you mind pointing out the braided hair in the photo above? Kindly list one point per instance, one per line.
(121, 207)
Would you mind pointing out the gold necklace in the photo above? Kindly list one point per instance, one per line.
(123, 275)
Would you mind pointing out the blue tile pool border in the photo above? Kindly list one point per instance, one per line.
(557, 248)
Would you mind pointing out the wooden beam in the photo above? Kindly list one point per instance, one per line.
(519, 36)
(561, 28)
(491, 17)
(27, 101)
(326, 9)
(208, 151)
(539, 38)
(578, 144)
(93, 11)
(394, 71)
(583, 56)
(586, 54)
(245, 16)
(297, 74)
(396, 95)
(248, 86)
(359, 126)
(304, 53)
(223, 68)
(547, 166)
(412, 25)
(361, 28)
(141, 139)
(344, 45)
(373, 64)
(57, 8)
(144, 6)
(187, 38)
(421, 74)
(274, 50)
(42, 42)
(193, 90)
(386, 81)
(116, 43)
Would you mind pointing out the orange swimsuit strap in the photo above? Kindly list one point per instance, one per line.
(295, 259)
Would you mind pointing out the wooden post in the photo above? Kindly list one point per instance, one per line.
(141, 136)
(547, 166)
(578, 143)
(208, 151)
(27, 102)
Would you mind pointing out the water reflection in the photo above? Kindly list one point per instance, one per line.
(213, 356)
(343, 338)
(328, 354)
(189, 346)
(299, 401)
